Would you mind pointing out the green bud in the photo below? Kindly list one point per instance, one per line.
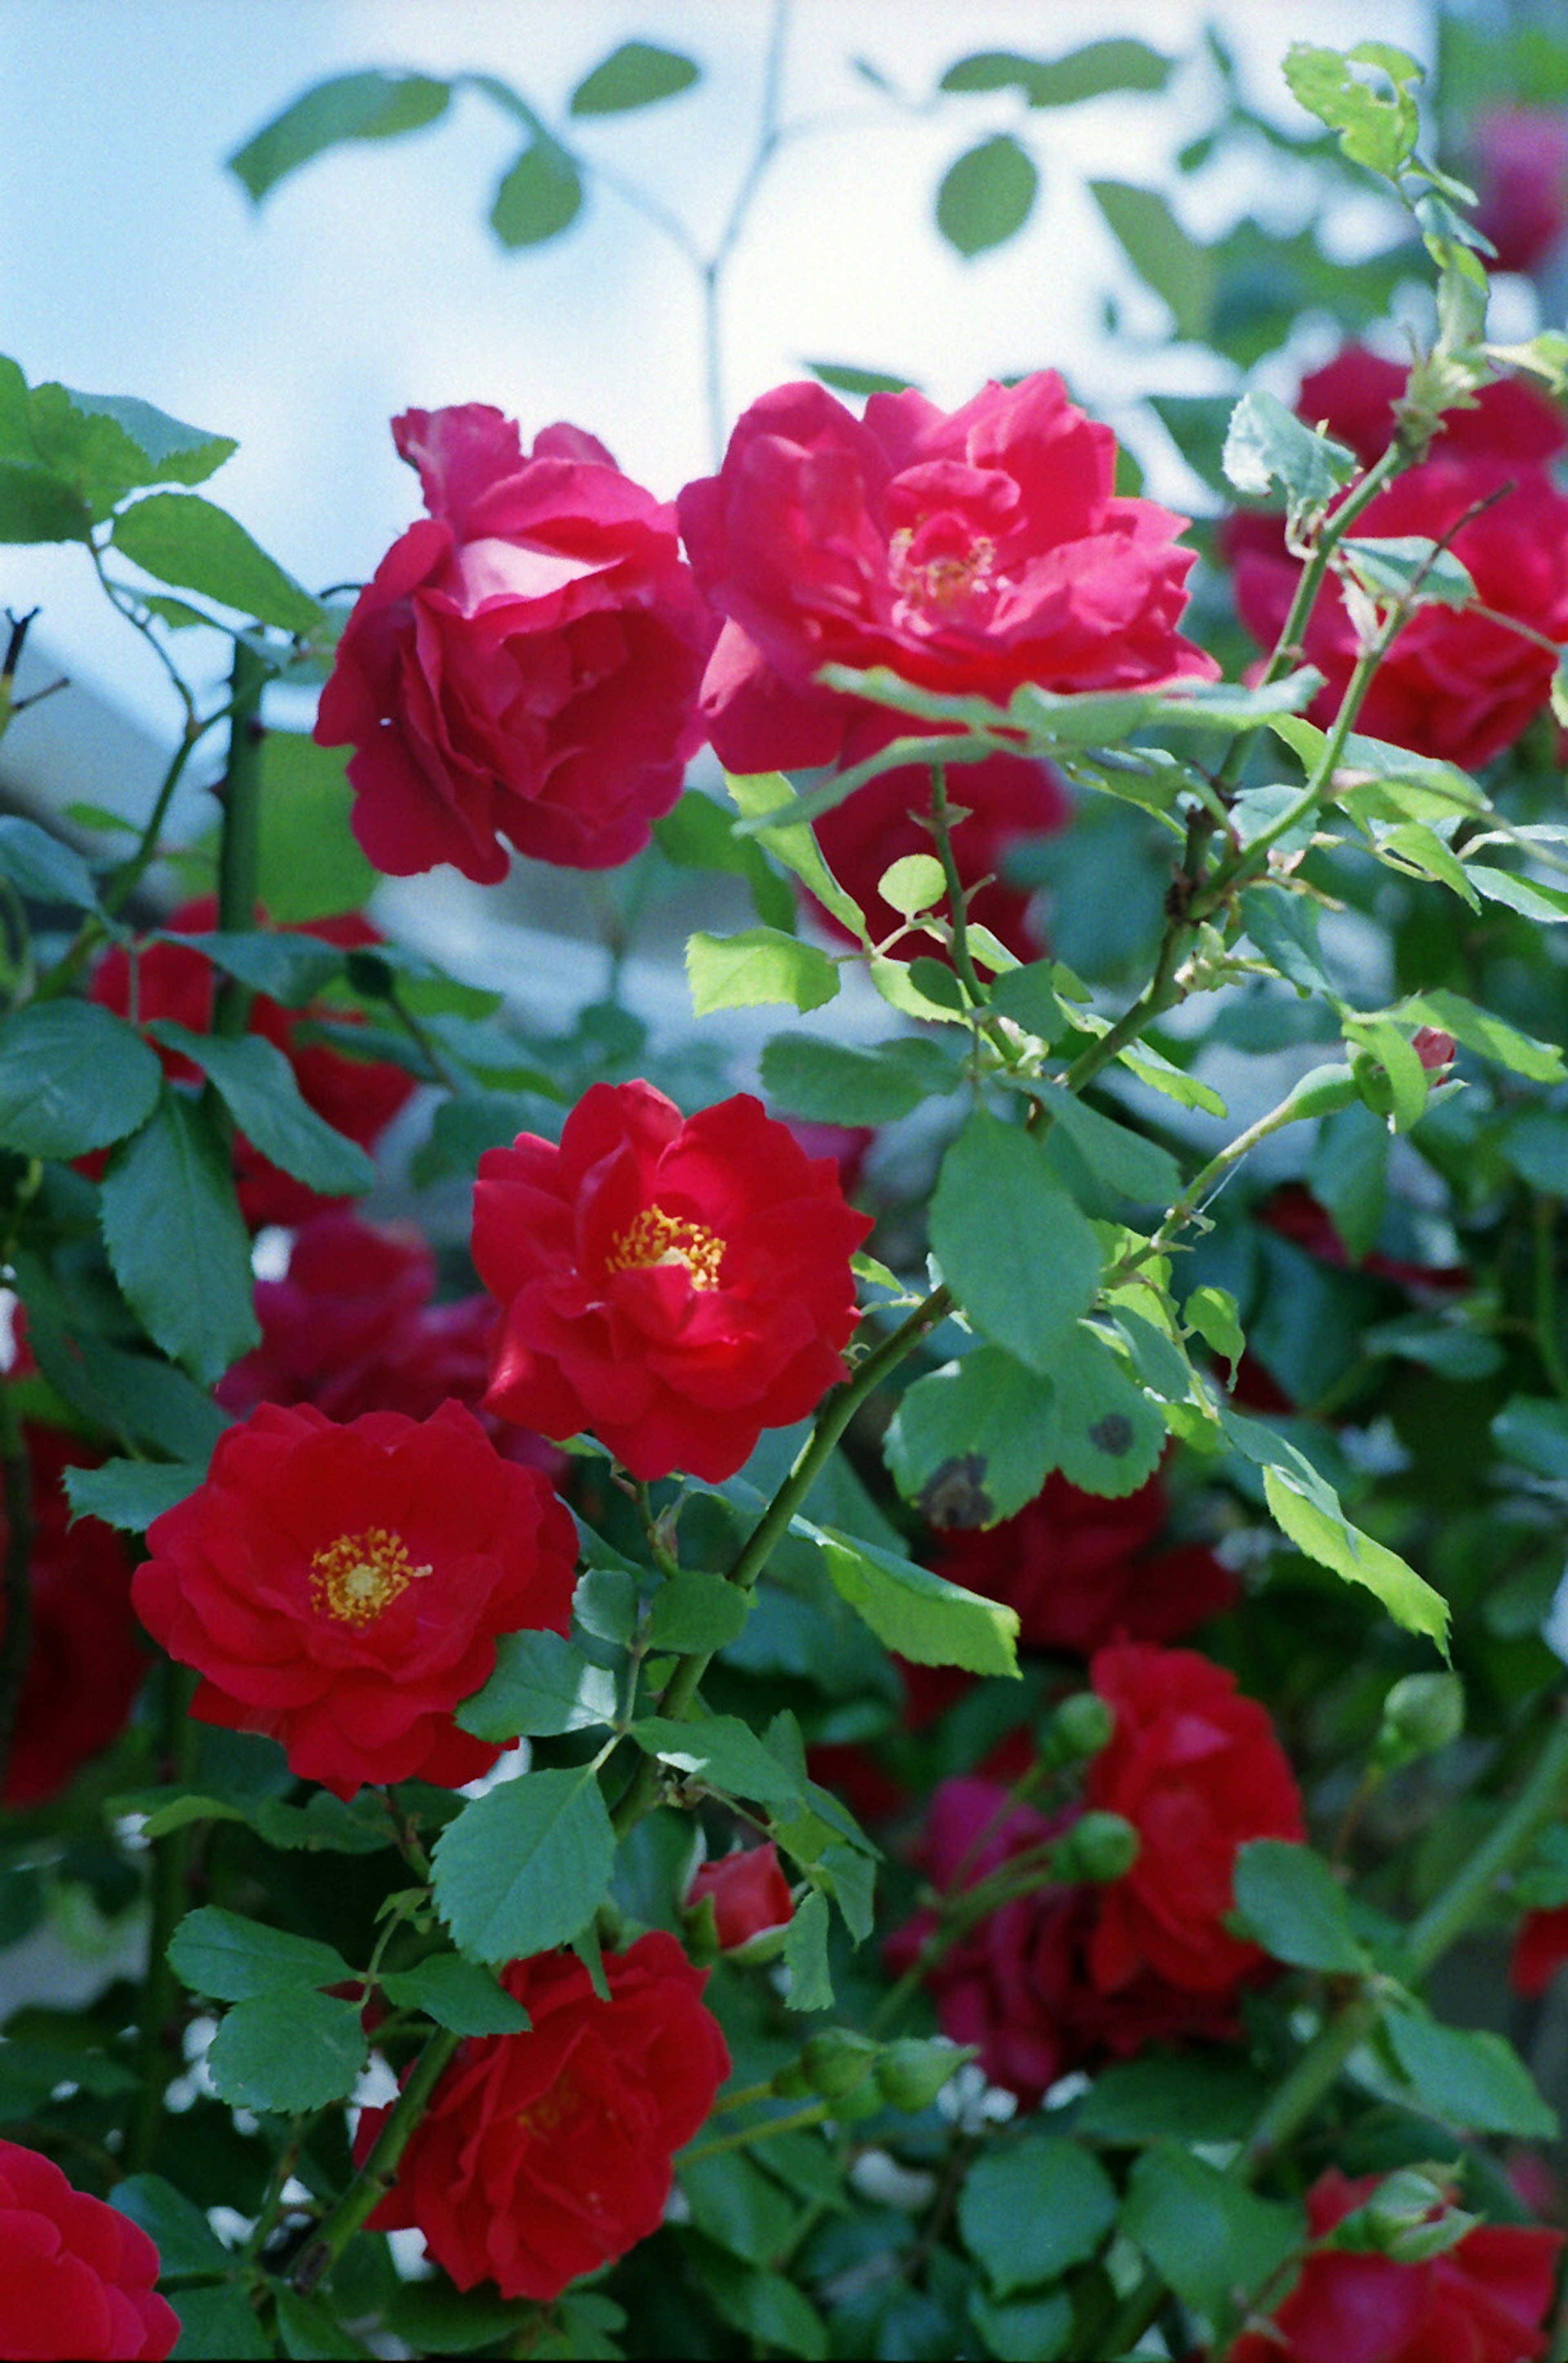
(1322, 1091)
(1421, 1713)
(1098, 1846)
(790, 2081)
(1417, 2242)
(1410, 2217)
(837, 2062)
(1075, 1730)
(910, 2073)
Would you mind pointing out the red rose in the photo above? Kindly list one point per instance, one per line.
(1482, 2300)
(526, 663)
(1021, 1985)
(1081, 1570)
(749, 1893)
(1354, 397)
(1004, 800)
(1521, 180)
(356, 1097)
(1540, 1947)
(350, 1328)
(970, 552)
(544, 2156)
(75, 2276)
(85, 1661)
(675, 1286)
(1296, 1215)
(341, 1588)
(1196, 1769)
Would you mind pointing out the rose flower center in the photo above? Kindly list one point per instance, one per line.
(550, 2110)
(359, 1575)
(947, 580)
(657, 1237)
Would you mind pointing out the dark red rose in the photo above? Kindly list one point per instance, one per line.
(968, 552)
(1521, 181)
(674, 1286)
(1082, 1569)
(1004, 799)
(749, 1893)
(524, 664)
(76, 2277)
(341, 1589)
(356, 1097)
(1197, 1771)
(1540, 1947)
(85, 1661)
(846, 1144)
(1454, 684)
(544, 2156)
(1021, 1985)
(1296, 1213)
(350, 1327)
(1482, 2300)
(1354, 397)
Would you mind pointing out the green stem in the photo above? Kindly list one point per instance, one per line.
(240, 841)
(941, 830)
(377, 2176)
(747, 2136)
(171, 1891)
(1449, 1914)
(1162, 989)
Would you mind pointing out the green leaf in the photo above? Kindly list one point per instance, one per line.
(218, 2325)
(722, 1753)
(289, 968)
(458, 1995)
(1321, 1530)
(699, 834)
(975, 1441)
(736, 2203)
(1533, 1430)
(287, 2052)
(186, 2241)
(537, 198)
(161, 450)
(846, 379)
(1107, 1433)
(1205, 2234)
(41, 867)
(1086, 72)
(755, 793)
(1212, 2096)
(1294, 1906)
(1410, 845)
(919, 1615)
(1037, 2328)
(695, 1610)
(1400, 1091)
(185, 541)
(1474, 2081)
(986, 195)
(915, 881)
(526, 1866)
(140, 1401)
(1136, 1169)
(311, 861)
(837, 1083)
(130, 1494)
(1211, 1312)
(257, 1086)
(1285, 928)
(637, 74)
(433, 2318)
(759, 965)
(1516, 894)
(73, 1077)
(1028, 996)
(38, 506)
(1377, 130)
(1399, 566)
(366, 105)
(311, 2332)
(806, 1955)
(235, 1959)
(1029, 2212)
(176, 1242)
(1016, 1251)
(1178, 268)
(1492, 1038)
(1348, 1174)
(543, 1686)
(1265, 445)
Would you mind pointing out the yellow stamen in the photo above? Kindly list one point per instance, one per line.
(657, 1237)
(359, 1575)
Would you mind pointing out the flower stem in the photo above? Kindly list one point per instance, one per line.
(377, 2176)
(240, 841)
(746, 2136)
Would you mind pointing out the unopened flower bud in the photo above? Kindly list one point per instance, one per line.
(1434, 1049)
(1408, 2217)
(910, 2073)
(749, 1896)
(838, 2062)
(1076, 1730)
(1099, 1847)
(1414, 2242)
(1422, 1713)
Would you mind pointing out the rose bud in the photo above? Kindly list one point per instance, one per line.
(1434, 1049)
(749, 1895)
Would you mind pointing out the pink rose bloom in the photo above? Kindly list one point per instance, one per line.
(525, 663)
(1522, 179)
(968, 552)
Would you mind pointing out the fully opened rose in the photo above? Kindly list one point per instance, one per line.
(340, 1587)
(546, 2155)
(524, 664)
(971, 551)
(674, 1286)
(76, 2277)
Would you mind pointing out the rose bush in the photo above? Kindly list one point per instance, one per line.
(76, 2277)
(341, 1587)
(547, 2155)
(524, 665)
(673, 1286)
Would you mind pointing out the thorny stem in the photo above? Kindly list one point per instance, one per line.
(375, 2177)
(941, 830)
